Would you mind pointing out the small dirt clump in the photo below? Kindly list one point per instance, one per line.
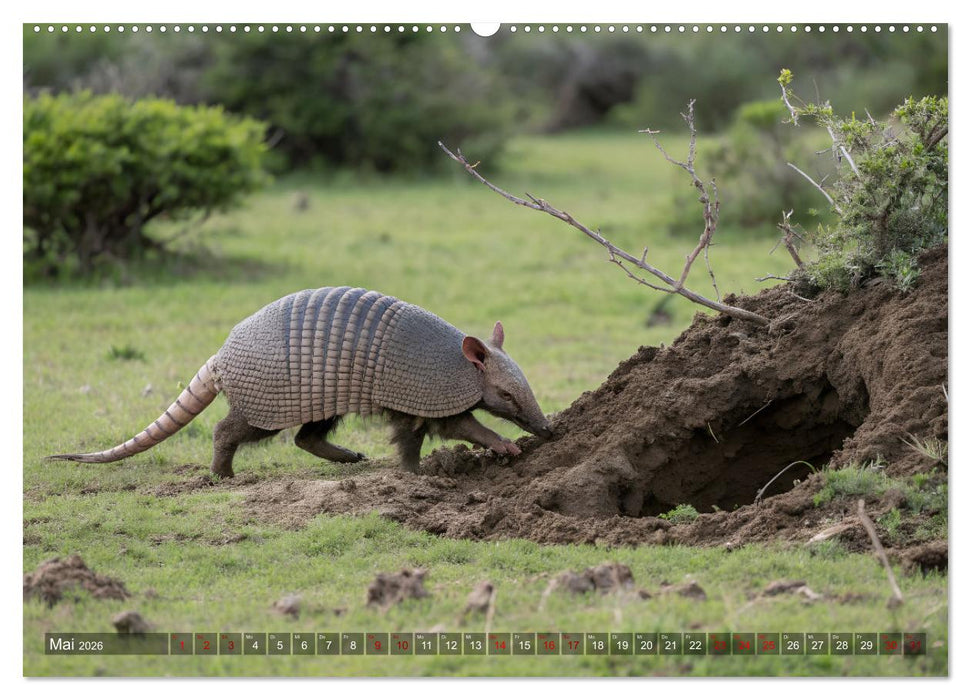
(479, 599)
(606, 578)
(390, 589)
(288, 605)
(130, 622)
(778, 587)
(689, 589)
(55, 577)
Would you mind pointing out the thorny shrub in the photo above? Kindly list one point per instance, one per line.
(889, 192)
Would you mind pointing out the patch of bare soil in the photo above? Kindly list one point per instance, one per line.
(52, 580)
(708, 421)
(390, 589)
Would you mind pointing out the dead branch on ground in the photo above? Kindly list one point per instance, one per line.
(626, 261)
(897, 598)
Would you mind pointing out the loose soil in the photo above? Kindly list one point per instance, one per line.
(708, 421)
(390, 589)
(54, 578)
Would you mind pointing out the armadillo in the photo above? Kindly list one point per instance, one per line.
(317, 355)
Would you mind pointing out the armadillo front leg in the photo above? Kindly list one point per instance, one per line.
(312, 437)
(465, 427)
(229, 434)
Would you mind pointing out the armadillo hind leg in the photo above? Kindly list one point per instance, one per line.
(231, 432)
(312, 437)
(408, 434)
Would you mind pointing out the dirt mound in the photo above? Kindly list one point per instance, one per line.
(606, 578)
(52, 579)
(390, 589)
(708, 421)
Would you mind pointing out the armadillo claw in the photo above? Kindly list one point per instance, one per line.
(506, 448)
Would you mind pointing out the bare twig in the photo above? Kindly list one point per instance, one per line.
(808, 301)
(818, 187)
(621, 257)
(640, 280)
(711, 273)
(708, 196)
(896, 598)
(789, 233)
(773, 277)
(765, 406)
(842, 149)
(792, 110)
(758, 496)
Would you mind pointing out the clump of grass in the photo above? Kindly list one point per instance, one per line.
(901, 267)
(932, 448)
(923, 496)
(854, 480)
(682, 513)
(828, 550)
(933, 528)
(891, 522)
(126, 352)
(922, 493)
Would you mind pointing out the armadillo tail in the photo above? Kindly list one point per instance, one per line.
(201, 391)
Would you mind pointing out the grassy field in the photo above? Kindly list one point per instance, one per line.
(102, 360)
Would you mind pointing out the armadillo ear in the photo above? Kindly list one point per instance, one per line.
(475, 351)
(498, 336)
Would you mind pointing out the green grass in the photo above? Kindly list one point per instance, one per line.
(187, 582)
(460, 251)
(919, 493)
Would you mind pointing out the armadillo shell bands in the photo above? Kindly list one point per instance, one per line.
(328, 352)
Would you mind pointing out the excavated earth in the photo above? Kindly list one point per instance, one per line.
(708, 421)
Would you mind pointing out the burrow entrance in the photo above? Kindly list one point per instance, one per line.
(729, 462)
(721, 456)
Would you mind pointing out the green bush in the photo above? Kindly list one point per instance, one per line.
(378, 102)
(889, 193)
(97, 169)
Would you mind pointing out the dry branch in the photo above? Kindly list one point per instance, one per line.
(818, 187)
(708, 196)
(789, 233)
(621, 257)
(897, 598)
(843, 151)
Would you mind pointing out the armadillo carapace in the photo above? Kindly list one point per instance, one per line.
(311, 357)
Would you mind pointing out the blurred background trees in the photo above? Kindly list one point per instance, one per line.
(379, 102)
(382, 100)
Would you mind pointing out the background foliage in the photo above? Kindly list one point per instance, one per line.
(397, 88)
(97, 169)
